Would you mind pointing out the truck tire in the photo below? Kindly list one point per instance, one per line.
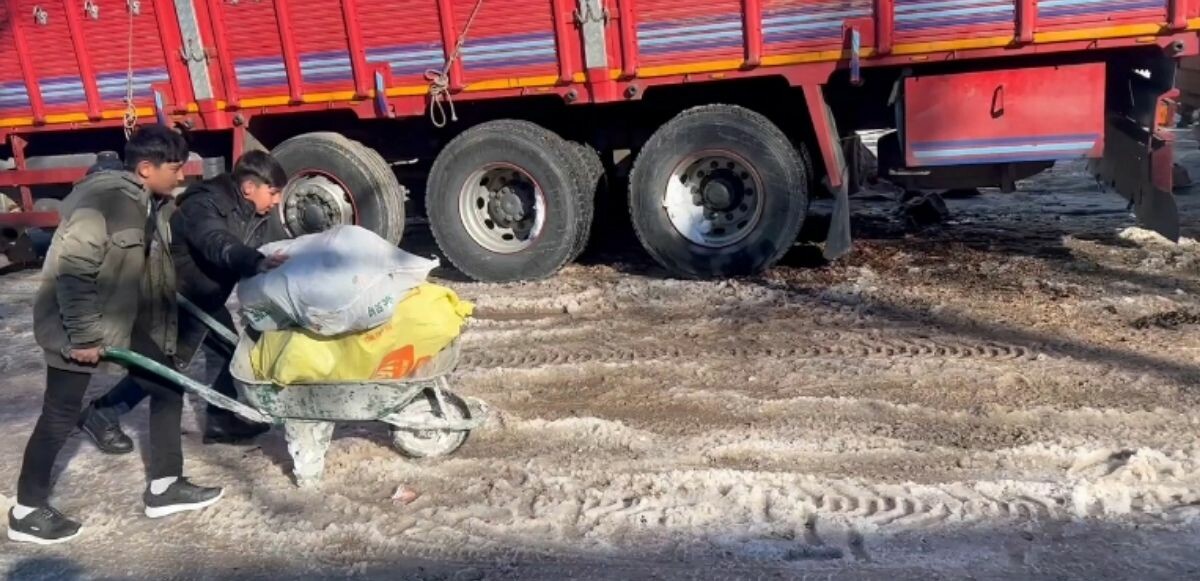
(503, 202)
(718, 191)
(810, 170)
(592, 182)
(333, 181)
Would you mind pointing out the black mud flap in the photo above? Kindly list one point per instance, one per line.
(1139, 165)
(838, 242)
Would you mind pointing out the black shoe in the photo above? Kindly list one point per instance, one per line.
(180, 496)
(104, 429)
(223, 427)
(43, 526)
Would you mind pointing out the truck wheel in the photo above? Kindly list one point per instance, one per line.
(503, 202)
(334, 181)
(592, 182)
(718, 191)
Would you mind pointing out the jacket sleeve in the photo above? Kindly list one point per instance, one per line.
(203, 228)
(84, 244)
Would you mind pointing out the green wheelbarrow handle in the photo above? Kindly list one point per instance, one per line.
(227, 335)
(130, 359)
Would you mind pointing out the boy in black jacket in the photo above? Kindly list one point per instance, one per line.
(218, 224)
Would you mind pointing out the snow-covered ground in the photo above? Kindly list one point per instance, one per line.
(1013, 395)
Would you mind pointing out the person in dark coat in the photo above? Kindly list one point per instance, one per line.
(108, 281)
(218, 225)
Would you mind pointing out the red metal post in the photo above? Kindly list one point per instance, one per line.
(1177, 14)
(239, 141)
(885, 26)
(752, 32)
(629, 43)
(449, 41)
(228, 70)
(87, 75)
(36, 104)
(358, 52)
(827, 139)
(172, 43)
(63, 175)
(29, 219)
(18, 144)
(561, 13)
(1027, 14)
(291, 59)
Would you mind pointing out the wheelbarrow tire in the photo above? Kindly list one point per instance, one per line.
(431, 443)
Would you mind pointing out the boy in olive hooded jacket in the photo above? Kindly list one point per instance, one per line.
(108, 281)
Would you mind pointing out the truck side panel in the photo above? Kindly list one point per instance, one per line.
(51, 53)
(407, 56)
(935, 20)
(678, 31)
(256, 50)
(323, 45)
(998, 117)
(791, 26)
(1067, 14)
(508, 40)
(14, 98)
(108, 39)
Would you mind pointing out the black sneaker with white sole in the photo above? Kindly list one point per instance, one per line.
(180, 496)
(43, 526)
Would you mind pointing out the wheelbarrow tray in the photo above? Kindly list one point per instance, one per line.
(427, 419)
(373, 400)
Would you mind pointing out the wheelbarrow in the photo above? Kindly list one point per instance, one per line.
(427, 420)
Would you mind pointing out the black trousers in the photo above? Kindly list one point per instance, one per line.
(127, 394)
(60, 414)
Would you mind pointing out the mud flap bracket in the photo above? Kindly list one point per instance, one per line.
(837, 175)
(1139, 164)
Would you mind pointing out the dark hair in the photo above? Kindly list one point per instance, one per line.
(106, 161)
(156, 144)
(260, 167)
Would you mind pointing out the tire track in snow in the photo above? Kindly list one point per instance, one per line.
(843, 347)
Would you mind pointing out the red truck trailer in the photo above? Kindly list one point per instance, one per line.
(513, 121)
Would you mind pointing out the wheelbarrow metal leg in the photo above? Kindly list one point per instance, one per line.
(307, 442)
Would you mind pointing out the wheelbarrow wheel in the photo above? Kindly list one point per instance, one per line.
(430, 443)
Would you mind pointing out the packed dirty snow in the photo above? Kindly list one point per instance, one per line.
(1012, 395)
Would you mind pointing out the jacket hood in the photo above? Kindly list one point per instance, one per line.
(121, 180)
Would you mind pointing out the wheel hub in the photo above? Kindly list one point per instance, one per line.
(314, 204)
(507, 208)
(722, 191)
(713, 199)
(502, 208)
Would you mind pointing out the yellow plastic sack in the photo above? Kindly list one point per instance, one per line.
(426, 321)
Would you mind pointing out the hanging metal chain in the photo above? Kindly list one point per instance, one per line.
(439, 81)
(131, 114)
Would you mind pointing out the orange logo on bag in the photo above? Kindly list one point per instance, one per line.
(399, 364)
(396, 365)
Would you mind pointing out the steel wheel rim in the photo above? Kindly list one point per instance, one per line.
(428, 442)
(714, 198)
(502, 208)
(315, 201)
